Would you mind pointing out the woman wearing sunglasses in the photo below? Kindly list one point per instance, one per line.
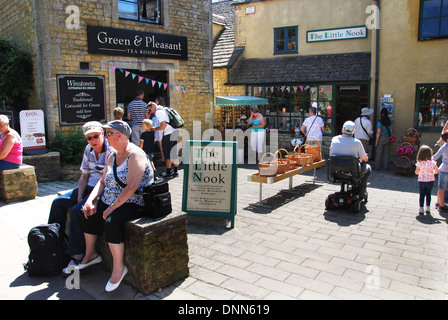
(93, 163)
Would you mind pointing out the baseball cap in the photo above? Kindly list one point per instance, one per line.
(120, 126)
(349, 127)
(92, 126)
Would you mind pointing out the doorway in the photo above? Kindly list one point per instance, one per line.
(349, 102)
(127, 87)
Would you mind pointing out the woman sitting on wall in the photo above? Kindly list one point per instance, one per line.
(10, 146)
(113, 201)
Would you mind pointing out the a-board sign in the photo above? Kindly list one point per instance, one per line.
(32, 131)
(210, 179)
(81, 98)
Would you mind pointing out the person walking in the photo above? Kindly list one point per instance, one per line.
(136, 114)
(313, 126)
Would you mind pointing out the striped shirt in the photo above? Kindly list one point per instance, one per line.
(137, 109)
(95, 166)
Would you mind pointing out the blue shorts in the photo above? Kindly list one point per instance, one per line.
(443, 180)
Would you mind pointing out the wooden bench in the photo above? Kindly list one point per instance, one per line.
(287, 175)
(18, 184)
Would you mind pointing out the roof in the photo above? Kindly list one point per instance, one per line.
(240, 101)
(313, 68)
(224, 47)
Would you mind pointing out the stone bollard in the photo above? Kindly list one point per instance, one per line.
(18, 184)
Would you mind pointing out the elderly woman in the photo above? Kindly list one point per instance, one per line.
(10, 146)
(113, 202)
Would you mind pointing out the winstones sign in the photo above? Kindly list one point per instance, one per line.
(131, 43)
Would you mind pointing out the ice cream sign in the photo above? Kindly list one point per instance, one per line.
(32, 129)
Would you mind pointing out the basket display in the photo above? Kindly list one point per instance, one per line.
(283, 163)
(403, 164)
(414, 136)
(313, 149)
(269, 168)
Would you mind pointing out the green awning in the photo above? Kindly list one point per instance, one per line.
(240, 101)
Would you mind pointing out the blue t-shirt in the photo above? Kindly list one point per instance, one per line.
(385, 132)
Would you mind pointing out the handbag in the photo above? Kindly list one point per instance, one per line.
(156, 196)
(392, 138)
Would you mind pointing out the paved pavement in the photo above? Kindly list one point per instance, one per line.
(296, 250)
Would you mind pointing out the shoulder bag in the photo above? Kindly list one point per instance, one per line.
(156, 196)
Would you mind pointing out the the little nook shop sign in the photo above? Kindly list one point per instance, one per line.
(131, 43)
(210, 179)
(81, 99)
(336, 34)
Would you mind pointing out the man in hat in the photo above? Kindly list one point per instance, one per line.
(93, 163)
(363, 128)
(347, 145)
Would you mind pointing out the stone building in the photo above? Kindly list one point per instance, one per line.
(92, 56)
(342, 55)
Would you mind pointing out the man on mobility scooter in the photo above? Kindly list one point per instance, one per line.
(348, 165)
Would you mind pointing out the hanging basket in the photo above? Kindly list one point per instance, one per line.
(412, 140)
(313, 149)
(268, 168)
(403, 164)
(283, 164)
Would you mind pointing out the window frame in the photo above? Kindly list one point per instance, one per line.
(285, 46)
(440, 17)
(157, 21)
(431, 127)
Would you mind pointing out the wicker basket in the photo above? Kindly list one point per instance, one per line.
(302, 159)
(283, 164)
(313, 149)
(410, 139)
(269, 168)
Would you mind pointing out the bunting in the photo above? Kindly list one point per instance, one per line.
(153, 82)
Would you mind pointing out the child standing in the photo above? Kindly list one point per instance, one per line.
(147, 141)
(426, 168)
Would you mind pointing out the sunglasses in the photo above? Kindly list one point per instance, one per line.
(111, 133)
(93, 137)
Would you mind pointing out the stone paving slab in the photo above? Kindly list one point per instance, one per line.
(296, 250)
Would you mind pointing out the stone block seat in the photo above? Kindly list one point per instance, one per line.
(18, 184)
(156, 252)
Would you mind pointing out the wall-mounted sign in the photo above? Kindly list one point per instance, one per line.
(81, 98)
(131, 43)
(210, 179)
(336, 34)
(32, 131)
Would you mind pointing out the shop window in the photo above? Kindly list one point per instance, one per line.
(140, 10)
(289, 105)
(431, 106)
(285, 40)
(433, 19)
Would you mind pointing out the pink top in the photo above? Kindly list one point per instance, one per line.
(426, 173)
(15, 155)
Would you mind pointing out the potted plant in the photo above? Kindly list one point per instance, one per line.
(406, 149)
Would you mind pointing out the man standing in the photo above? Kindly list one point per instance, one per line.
(313, 126)
(136, 114)
(169, 140)
(93, 163)
(363, 128)
(347, 145)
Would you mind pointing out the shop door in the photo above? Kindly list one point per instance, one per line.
(127, 87)
(349, 102)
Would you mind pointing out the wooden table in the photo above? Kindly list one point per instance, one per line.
(289, 174)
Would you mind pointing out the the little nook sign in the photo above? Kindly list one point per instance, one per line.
(336, 34)
(210, 179)
(131, 43)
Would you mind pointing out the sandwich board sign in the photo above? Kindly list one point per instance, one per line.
(32, 131)
(210, 179)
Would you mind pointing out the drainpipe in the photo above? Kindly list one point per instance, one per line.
(377, 66)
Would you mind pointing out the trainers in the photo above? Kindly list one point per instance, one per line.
(420, 211)
(167, 174)
(443, 209)
(71, 266)
(175, 174)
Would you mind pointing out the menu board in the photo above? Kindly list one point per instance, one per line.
(32, 129)
(210, 178)
(81, 99)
